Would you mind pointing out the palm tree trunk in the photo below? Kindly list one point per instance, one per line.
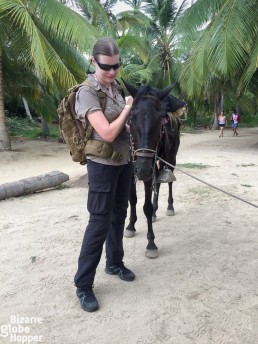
(5, 142)
(217, 110)
(27, 109)
(44, 127)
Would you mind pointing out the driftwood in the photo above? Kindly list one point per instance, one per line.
(32, 184)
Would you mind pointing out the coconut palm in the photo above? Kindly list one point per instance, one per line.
(154, 62)
(226, 48)
(164, 15)
(46, 36)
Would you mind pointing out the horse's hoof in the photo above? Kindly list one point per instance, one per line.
(129, 234)
(151, 254)
(170, 212)
(154, 218)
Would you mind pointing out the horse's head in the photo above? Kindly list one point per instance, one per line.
(150, 106)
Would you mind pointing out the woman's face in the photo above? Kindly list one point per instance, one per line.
(106, 68)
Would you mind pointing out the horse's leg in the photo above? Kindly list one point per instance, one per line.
(155, 201)
(151, 249)
(170, 209)
(130, 229)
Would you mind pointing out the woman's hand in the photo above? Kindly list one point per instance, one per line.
(129, 100)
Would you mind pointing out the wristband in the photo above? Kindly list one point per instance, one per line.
(128, 106)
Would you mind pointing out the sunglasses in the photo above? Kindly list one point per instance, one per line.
(108, 67)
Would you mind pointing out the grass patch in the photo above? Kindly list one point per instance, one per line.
(62, 187)
(25, 128)
(33, 259)
(199, 166)
(202, 191)
(246, 165)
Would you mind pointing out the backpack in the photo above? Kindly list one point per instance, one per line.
(77, 134)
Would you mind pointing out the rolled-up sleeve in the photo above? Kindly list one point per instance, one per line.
(86, 102)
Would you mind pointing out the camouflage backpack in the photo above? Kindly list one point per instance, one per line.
(77, 135)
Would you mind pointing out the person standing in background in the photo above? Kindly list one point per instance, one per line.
(235, 122)
(222, 121)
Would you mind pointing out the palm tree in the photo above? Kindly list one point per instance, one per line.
(164, 15)
(153, 54)
(46, 37)
(223, 53)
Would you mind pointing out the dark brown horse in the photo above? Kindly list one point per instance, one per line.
(155, 134)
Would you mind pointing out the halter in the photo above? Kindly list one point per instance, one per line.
(145, 152)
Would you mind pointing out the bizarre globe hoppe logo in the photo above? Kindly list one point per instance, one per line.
(19, 329)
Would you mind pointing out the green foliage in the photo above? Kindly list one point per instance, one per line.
(249, 121)
(25, 128)
(225, 48)
(198, 120)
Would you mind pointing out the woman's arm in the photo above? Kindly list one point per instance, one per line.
(109, 131)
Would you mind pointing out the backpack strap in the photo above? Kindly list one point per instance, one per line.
(102, 101)
(101, 95)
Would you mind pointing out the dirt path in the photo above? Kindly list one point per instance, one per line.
(202, 289)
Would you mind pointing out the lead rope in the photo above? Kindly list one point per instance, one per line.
(212, 186)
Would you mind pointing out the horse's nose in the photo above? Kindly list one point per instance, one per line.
(144, 173)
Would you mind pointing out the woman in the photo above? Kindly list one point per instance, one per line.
(222, 120)
(235, 121)
(109, 180)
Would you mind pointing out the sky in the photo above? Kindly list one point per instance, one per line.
(119, 7)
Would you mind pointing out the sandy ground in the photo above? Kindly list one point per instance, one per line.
(203, 287)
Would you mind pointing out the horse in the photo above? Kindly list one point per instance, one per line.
(155, 133)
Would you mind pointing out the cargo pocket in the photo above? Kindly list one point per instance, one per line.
(99, 198)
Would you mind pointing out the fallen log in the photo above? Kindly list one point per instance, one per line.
(29, 185)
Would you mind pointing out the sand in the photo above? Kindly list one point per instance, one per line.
(203, 287)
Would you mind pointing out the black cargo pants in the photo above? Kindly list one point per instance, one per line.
(108, 196)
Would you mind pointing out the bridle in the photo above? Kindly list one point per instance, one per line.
(145, 152)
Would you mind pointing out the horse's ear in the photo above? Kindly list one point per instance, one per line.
(132, 90)
(162, 94)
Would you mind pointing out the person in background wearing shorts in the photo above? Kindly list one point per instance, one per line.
(222, 121)
(235, 122)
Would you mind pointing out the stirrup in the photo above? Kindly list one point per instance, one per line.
(166, 176)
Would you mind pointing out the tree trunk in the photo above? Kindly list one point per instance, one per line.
(32, 184)
(44, 127)
(217, 110)
(5, 141)
(27, 109)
